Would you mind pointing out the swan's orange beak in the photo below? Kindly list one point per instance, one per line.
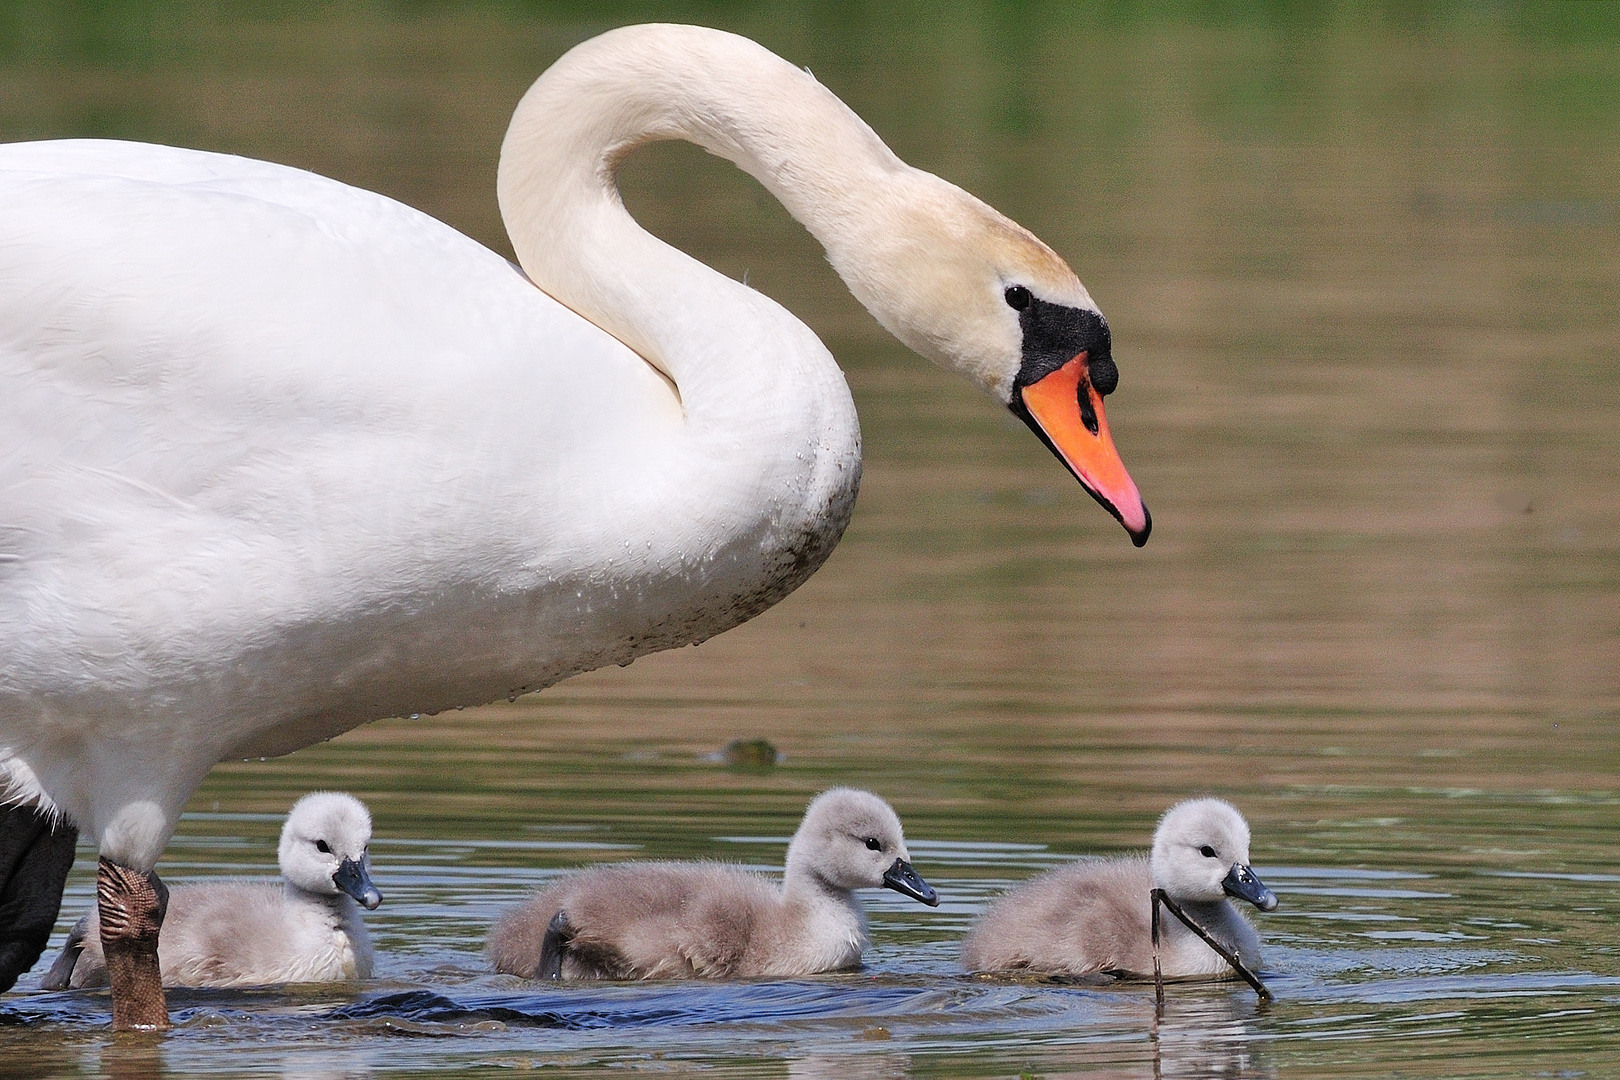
(1066, 411)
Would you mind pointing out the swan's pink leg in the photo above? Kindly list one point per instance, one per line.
(132, 907)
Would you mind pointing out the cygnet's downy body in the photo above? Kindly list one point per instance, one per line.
(1095, 917)
(306, 929)
(663, 920)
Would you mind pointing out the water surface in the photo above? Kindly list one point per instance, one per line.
(1363, 275)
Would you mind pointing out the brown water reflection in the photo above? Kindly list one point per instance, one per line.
(1363, 272)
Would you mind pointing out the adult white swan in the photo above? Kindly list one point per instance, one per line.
(279, 456)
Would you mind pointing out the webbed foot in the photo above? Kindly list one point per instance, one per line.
(558, 933)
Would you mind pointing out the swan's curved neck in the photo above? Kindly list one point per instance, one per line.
(572, 235)
(762, 478)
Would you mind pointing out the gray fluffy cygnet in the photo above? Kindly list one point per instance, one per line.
(234, 933)
(1094, 917)
(663, 920)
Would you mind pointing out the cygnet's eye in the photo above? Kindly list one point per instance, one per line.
(1207, 852)
(874, 844)
(323, 847)
(1018, 297)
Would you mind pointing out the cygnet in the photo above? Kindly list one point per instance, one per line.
(1095, 917)
(663, 920)
(307, 929)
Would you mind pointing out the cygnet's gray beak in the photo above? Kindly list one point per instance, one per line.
(1241, 883)
(353, 879)
(903, 879)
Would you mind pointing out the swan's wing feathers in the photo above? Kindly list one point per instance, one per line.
(230, 388)
(135, 161)
(183, 333)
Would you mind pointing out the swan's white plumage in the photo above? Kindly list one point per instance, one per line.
(279, 456)
(224, 534)
(199, 502)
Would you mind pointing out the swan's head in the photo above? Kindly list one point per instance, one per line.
(851, 839)
(975, 292)
(1201, 853)
(323, 847)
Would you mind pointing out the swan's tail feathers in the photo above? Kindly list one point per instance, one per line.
(36, 852)
(60, 977)
(20, 787)
(558, 933)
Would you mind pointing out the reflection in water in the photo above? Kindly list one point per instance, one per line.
(1363, 276)
(853, 1064)
(320, 1065)
(1199, 1037)
(132, 1056)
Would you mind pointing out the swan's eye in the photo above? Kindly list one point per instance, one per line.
(1207, 852)
(323, 847)
(1018, 297)
(874, 844)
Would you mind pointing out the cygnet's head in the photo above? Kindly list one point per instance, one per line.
(977, 293)
(323, 847)
(1201, 853)
(851, 839)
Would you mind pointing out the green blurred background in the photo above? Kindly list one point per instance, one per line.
(1362, 266)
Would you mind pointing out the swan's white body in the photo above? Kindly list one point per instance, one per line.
(279, 456)
(220, 536)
